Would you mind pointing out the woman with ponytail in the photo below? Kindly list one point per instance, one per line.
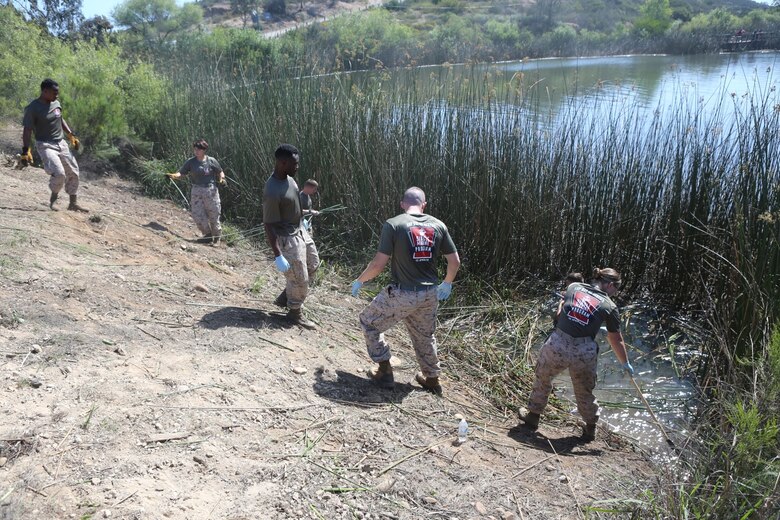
(572, 345)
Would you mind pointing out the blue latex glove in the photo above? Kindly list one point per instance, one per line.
(443, 290)
(282, 264)
(628, 368)
(356, 285)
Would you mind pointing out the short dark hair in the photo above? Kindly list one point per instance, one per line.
(311, 182)
(286, 151)
(49, 83)
(201, 144)
(574, 277)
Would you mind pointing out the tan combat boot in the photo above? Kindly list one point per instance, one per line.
(429, 383)
(74, 206)
(383, 375)
(296, 317)
(530, 419)
(588, 433)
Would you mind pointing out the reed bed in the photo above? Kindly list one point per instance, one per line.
(685, 205)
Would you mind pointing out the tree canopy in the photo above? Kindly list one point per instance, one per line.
(154, 22)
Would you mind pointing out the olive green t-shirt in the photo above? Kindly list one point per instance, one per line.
(585, 307)
(305, 202)
(201, 173)
(282, 206)
(414, 241)
(45, 119)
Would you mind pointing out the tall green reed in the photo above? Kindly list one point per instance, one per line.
(683, 204)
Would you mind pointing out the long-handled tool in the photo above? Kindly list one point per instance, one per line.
(652, 414)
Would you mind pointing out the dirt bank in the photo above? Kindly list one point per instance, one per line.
(145, 376)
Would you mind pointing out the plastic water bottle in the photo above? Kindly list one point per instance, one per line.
(463, 431)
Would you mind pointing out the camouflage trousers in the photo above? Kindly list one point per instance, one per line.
(304, 260)
(60, 164)
(206, 208)
(417, 309)
(580, 356)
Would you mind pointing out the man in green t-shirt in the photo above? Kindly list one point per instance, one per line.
(43, 117)
(294, 250)
(411, 242)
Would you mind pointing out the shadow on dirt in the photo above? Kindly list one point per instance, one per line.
(572, 445)
(243, 317)
(41, 209)
(356, 390)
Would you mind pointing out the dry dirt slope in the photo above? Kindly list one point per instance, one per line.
(107, 349)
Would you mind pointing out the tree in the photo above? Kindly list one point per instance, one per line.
(154, 22)
(277, 7)
(96, 29)
(655, 17)
(541, 16)
(60, 17)
(244, 8)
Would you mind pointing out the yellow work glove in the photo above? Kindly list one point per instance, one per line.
(26, 157)
(223, 181)
(173, 176)
(74, 141)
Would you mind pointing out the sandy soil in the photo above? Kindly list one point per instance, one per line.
(142, 377)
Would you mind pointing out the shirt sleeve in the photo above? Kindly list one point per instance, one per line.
(29, 120)
(185, 169)
(216, 166)
(447, 244)
(386, 239)
(271, 211)
(612, 319)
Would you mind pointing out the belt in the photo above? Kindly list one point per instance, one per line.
(559, 331)
(413, 288)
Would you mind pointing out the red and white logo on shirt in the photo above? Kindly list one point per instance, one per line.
(422, 238)
(583, 307)
(58, 112)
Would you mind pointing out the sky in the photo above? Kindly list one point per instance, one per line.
(92, 8)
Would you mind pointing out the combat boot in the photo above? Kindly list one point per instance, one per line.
(530, 419)
(296, 317)
(588, 433)
(429, 383)
(281, 300)
(52, 200)
(74, 206)
(382, 375)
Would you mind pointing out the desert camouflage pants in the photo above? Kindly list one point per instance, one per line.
(304, 260)
(418, 312)
(580, 356)
(60, 164)
(206, 208)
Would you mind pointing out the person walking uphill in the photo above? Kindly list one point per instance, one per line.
(413, 240)
(572, 345)
(294, 250)
(205, 172)
(43, 117)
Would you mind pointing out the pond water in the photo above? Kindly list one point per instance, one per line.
(703, 84)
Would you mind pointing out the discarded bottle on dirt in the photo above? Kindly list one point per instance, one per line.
(463, 431)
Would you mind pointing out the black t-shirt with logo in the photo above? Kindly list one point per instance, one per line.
(585, 308)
